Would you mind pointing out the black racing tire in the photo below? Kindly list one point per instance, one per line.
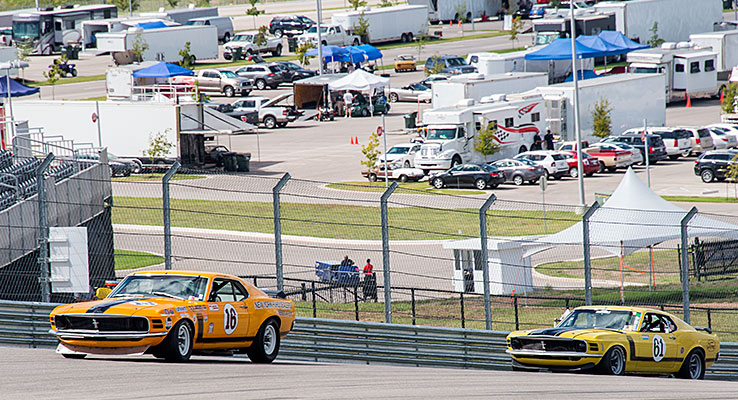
(693, 366)
(707, 175)
(177, 346)
(394, 98)
(403, 178)
(437, 183)
(518, 180)
(75, 356)
(266, 344)
(613, 363)
(270, 122)
(228, 91)
(480, 184)
(260, 84)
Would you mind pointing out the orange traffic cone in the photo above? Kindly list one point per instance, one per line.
(722, 96)
(689, 102)
(459, 23)
(356, 141)
(352, 140)
(451, 23)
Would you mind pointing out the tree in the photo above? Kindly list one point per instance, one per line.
(172, 3)
(24, 54)
(731, 173)
(139, 46)
(188, 60)
(202, 3)
(260, 38)
(655, 40)
(486, 141)
(386, 3)
(730, 96)
(362, 29)
(159, 145)
(355, 4)
(123, 4)
(253, 11)
(302, 49)
(601, 120)
(421, 37)
(554, 3)
(517, 27)
(436, 66)
(461, 12)
(55, 73)
(371, 152)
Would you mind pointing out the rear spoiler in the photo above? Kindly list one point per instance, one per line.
(702, 328)
(277, 294)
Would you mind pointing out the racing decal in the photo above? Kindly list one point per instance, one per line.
(644, 337)
(681, 351)
(525, 110)
(230, 319)
(214, 307)
(101, 308)
(504, 133)
(180, 309)
(552, 331)
(285, 313)
(168, 323)
(272, 304)
(143, 303)
(659, 348)
(167, 311)
(210, 328)
(199, 327)
(198, 308)
(184, 315)
(258, 305)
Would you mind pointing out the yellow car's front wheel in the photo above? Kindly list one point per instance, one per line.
(613, 363)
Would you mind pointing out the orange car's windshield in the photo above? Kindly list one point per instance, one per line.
(172, 286)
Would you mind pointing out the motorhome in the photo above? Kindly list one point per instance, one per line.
(450, 132)
(477, 86)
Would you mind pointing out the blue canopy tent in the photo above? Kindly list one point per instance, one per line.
(372, 53)
(584, 74)
(597, 43)
(330, 53)
(560, 49)
(151, 25)
(353, 55)
(618, 39)
(162, 70)
(16, 89)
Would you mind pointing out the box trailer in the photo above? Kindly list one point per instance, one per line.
(676, 19)
(477, 86)
(633, 98)
(499, 63)
(90, 29)
(725, 44)
(448, 10)
(182, 15)
(386, 24)
(164, 44)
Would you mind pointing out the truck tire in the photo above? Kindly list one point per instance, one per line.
(228, 91)
(456, 160)
(278, 51)
(403, 178)
(372, 177)
(356, 42)
(226, 37)
(260, 84)
(227, 56)
(522, 149)
(270, 122)
(409, 36)
(403, 38)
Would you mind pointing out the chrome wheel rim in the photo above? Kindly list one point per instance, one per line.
(617, 361)
(695, 366)
(183, 339)
(270, 339)
(481, 184)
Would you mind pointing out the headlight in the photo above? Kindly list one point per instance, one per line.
(582, 347)
(515, 343)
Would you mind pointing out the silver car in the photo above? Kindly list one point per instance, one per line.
(413, 92)
(519, 171)
(701, 140)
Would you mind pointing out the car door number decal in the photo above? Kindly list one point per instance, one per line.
(659, 348)
(230, 319)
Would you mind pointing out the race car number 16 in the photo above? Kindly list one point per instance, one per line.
(659, 348)
(230, 319)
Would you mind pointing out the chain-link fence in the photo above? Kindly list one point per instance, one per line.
(405, 254)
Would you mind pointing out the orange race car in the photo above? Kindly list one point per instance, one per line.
(172, 314)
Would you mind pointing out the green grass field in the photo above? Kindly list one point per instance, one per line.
(154, 177)
(407, 187)
(129, 259)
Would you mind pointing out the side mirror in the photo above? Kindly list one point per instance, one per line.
(102, 292)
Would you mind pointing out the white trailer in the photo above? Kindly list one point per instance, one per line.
(448, 10)
(676, 19)
(725, 44)
(386, 24)
(633, 98)
(477, 86)
(164, 44)
(499, 63)
(182, 15)
(450, 132)
(90, 29)
(690, 71)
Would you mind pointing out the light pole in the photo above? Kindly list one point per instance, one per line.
(320, 38)
(577, 130)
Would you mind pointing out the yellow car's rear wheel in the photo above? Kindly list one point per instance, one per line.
(266, 345)
(613, 363)
(693, 366)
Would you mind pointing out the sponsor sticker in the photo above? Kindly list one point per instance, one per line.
(214, 307)
(210, 328)
(168, 322)
(230, 319)
(181, 309)
(644, 337)
(184, 315)
(198, 308)
(285, 313)
(258, 305)
(167, 311)
(659, 348)
(143, 303)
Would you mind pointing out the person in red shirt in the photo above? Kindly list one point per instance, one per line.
(370, 281)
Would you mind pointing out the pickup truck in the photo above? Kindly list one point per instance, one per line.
(217, 81)
(246, 42)
(271, 114)
(330, 35)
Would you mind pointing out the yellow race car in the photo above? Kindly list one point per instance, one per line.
(616, 340)
(405, 63)
(173, 314)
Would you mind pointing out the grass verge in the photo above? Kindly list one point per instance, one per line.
(407, 187)
(129, 259)
(65, 81)
(699, 199)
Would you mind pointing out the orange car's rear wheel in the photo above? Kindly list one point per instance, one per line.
(266, 345)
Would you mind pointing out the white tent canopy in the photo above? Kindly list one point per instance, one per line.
(634, 217)
(359, 80)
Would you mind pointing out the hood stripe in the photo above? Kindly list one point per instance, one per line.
(101, 308)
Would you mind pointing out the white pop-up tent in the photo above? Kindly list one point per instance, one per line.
(634, 217)
(359, 80)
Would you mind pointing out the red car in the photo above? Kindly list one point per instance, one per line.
(590, 164)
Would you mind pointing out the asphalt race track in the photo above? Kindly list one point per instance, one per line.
(42, 374)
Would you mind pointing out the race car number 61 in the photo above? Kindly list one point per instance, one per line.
(659, 348)
(230, 319)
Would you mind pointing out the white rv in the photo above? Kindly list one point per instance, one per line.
(476, 86)
(725, 44)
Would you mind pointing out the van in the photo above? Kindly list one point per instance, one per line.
(701, 140)
(677, 141)
(224, 25)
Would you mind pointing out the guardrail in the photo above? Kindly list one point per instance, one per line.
(327, 340)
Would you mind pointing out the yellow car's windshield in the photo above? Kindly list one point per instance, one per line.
(172, 286)
(603, 318)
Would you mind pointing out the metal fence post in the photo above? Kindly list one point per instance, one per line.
(585, 248)
(385, 252)
(43, 225)
(485, 259)
(278, 229)
(685, 261)
(167, 217)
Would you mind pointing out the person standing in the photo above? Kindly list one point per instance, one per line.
(370, 281)
(549, 138)
(348, 100)
(536, 142)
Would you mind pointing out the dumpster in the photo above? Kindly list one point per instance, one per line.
(292, 44)
(410, 120)
(230, 163)
(236, 54)
(242, 162)
(70, 51)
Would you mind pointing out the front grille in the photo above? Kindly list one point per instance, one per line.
(548, 344)
(101, 324)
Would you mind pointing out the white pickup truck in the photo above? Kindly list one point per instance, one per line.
(246, 41)
(330, 35)
(271, 114)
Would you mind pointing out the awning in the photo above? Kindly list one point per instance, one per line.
(16, 89)
(359, 80)
(620, 40)
(372, 52)
(560, 49)
(162, 70)
(599, 44)
(330, 53)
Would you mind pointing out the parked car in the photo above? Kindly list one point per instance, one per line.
(448, 65)
(412, 92)
(270, 115)
(538, 11)
(610, 155)
(214, 154)
(677, 141)
(404, 63)
(361, 106)
(552, 161)
(590, 164)
(701, 140)
(728, 128)
(713, 165)
(218, 81)
(428, 81)
(403, 153)
(397, 171)
(480, 176)
(636, 157)
(294, 72)
(291, 25)
(224, 25)
(721, 139)
(519, 171)
(118, 166)
(263, 75)
(247, 42)
(656, 147)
